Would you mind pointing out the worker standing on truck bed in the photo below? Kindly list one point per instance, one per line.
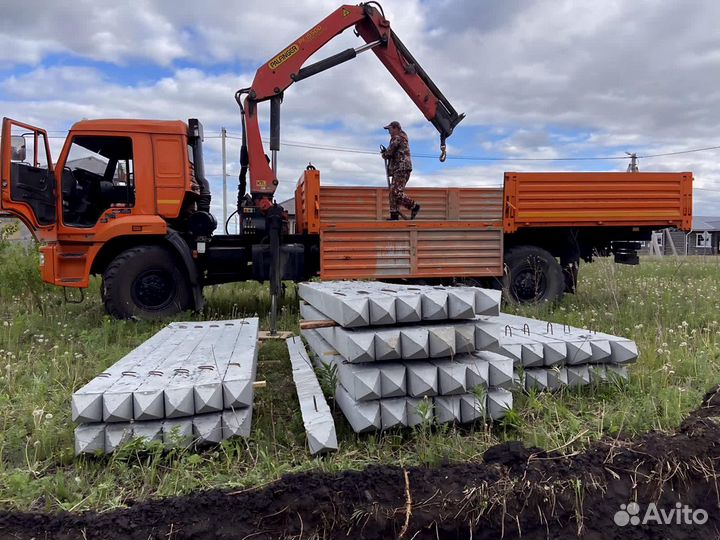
(399, 165)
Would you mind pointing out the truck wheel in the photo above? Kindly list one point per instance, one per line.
(145, 283)
(533, 275)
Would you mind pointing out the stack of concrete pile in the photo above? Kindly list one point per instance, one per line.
(395, 346)
(554, 356)
(402, 353)
(190, 382)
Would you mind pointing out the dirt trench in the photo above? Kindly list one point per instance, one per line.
(516, 492)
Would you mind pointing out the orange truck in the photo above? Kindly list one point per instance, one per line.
(126, 210)
(128, 200)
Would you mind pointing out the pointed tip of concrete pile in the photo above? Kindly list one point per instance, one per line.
(464, 338)
(579, 352)
(422, 379)
(624, 351)
(578, 375)
(208, 398)
(414, 343)
(601, 350)
(387, 345)
(532, 354)
(148, 431)
(393, 381)
(500, 372)
(89, 438)
(408, 308)
(236, 422)
(555, 352)
(87, 408)
(363, 416)
(512, 350)
(461, 304)
(447, 409)
(178, 432)
(179, 402)
(237, 394)
(441, 341)
(472, 408)
(117, 407)
(149, 405)
(452, 377)
(486, 338)
(382, 309)
(499, 402)
(477, 371)
(359, 346)
(536, 379)
(393, 412)
(434, 305)
(208, 428)
(365, 383)
(116, 435)
(487, 302)
(354, 311)
(322, 438)
(557, 378)
(420, 411)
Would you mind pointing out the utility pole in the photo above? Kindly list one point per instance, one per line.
(633, 165)
(223, 136)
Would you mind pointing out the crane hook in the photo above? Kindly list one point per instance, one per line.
(443, 153)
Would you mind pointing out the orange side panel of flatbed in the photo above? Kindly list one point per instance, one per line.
(572, 199)
(403, 249)
(438, 204)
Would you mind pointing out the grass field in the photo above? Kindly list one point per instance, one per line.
(48, 349)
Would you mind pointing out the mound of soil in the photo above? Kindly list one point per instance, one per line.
(517, 492)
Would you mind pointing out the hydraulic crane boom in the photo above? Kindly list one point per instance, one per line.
(276, 75)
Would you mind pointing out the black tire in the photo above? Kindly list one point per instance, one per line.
(145, 282)
(533, 275)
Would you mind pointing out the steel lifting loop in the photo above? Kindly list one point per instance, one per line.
(526, 329)
(209, 368)
(549, 328)
(156, 372)
(443, 153)
(129, 373)
(507, 328)
(566, 328)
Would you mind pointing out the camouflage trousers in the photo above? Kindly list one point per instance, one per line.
(397, 191)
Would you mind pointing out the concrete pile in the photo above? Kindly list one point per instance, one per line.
(554, 356)
(190, 382)
(402, 354)
(317, 418)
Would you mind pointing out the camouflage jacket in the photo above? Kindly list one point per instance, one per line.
(398, 154)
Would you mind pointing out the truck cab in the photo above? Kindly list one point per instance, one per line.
(116, 184)
(128, 200)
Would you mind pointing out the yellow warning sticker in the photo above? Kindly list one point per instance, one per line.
(345, 12)
(283, 56)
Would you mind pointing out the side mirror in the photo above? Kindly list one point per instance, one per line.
(18, 148)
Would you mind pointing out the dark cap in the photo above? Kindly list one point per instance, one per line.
(393, 124)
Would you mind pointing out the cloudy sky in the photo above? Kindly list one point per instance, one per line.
(541, 79)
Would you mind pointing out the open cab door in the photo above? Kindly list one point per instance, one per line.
(27, 179)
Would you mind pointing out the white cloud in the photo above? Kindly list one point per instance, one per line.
(541, 78)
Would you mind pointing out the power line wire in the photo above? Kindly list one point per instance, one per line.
(681, 152)
(331, 148)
